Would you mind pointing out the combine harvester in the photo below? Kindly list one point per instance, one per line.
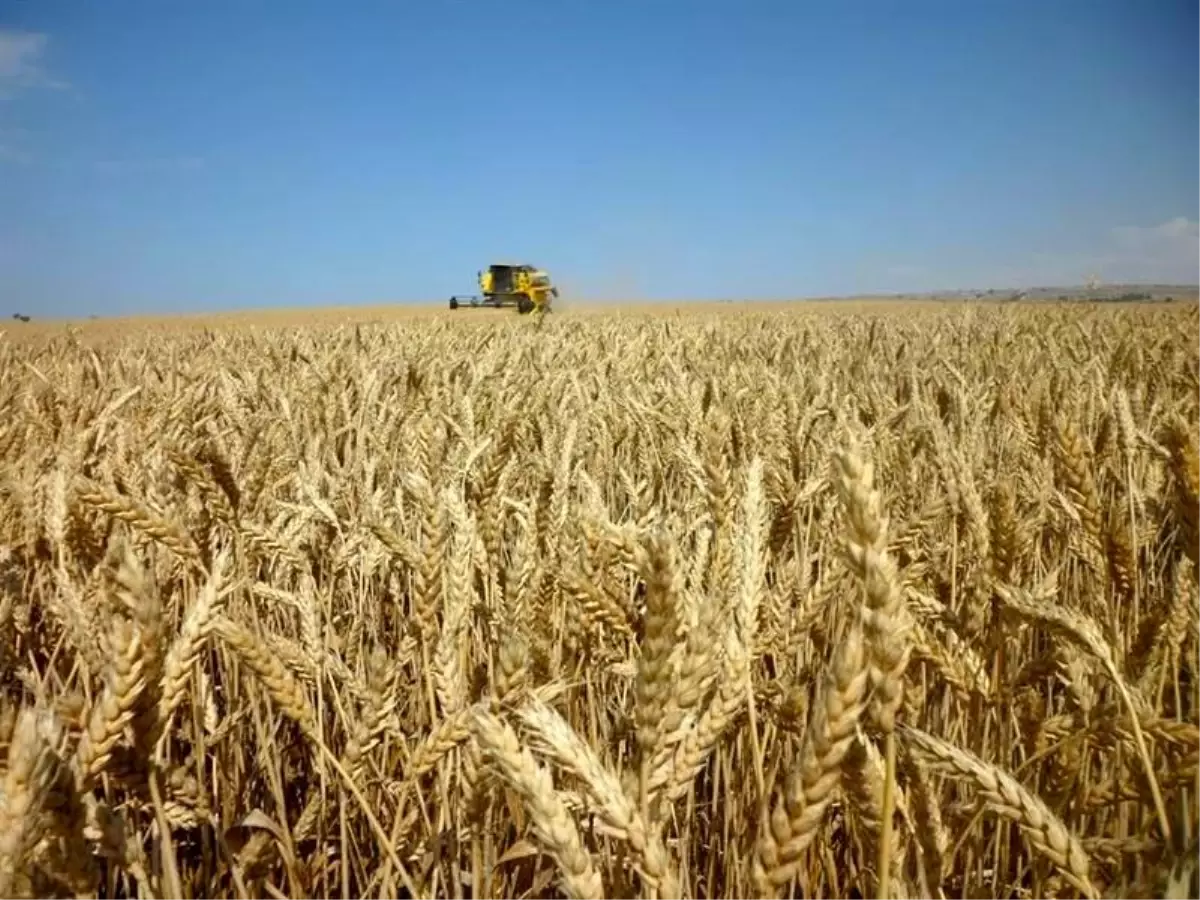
(526, 288)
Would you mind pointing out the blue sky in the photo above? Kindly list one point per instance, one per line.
(165, 155)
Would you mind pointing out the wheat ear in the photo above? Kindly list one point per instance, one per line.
(1006, 797)
(551, 820)
(33, 766)
(557, 739)
(886, 621)
(809, 788)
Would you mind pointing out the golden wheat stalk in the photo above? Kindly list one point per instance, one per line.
(1080, 629)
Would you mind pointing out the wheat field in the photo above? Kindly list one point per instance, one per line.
(806, 602)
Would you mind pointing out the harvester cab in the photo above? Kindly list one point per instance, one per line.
(521, 286)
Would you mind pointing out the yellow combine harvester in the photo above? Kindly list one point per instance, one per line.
(525, 287)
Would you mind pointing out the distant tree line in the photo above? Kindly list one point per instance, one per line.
(1127, 297)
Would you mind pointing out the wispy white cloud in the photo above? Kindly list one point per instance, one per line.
(1169, 251)
(22, 68)
(1165, 253)
(21, 61)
